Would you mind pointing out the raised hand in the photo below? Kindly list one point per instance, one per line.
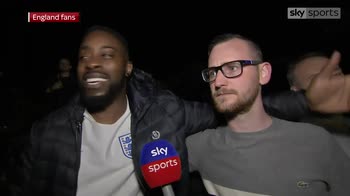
(329, 91)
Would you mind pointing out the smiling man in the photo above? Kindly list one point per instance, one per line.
(93, 145)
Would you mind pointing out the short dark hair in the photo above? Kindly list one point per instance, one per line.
(292, 65)
(229, 36)
(113, 32)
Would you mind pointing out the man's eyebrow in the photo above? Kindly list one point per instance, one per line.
(109, 47)
(84, 47)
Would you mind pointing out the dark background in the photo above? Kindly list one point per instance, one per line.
(168, 39)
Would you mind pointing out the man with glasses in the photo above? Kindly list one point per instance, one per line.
(255, 153)
(230, 69)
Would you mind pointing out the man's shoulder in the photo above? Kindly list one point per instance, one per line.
(207, 134)
(54, 117)
(170, 102)
(303, 128)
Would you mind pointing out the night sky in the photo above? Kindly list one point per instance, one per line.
(169, 39)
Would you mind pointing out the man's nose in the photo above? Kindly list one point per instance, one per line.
(220, 79)
(94, 62)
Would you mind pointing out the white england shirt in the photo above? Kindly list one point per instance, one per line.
(106, 167)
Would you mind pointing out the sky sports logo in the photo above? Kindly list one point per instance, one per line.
(53, 17)
(314, 13)
(160, 163)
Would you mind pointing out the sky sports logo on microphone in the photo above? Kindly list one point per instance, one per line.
(161, 163)
(53, 17)
(314, 13)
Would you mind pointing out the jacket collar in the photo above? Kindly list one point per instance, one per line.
(141, 88)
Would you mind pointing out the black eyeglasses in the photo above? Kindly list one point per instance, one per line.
(230, 69)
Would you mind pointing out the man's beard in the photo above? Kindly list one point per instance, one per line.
(242, 104)
(98, 103)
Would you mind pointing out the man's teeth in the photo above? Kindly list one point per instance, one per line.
(95, 80)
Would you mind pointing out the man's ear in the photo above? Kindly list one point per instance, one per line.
(265, 71)
(129, 68)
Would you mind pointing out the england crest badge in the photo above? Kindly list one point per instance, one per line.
(125, 143)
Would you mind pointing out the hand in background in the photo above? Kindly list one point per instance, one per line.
(56, 86)
(329, 91)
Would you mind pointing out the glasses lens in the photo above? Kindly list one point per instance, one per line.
(232, 69)
(207, 75)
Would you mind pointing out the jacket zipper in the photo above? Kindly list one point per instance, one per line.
(138, 172)
(77, 134)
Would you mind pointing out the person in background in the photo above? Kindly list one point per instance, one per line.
(63, 75)
(300, 74)
(255, 153)
(63, 87)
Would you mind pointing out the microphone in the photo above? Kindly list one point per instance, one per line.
(161, 165)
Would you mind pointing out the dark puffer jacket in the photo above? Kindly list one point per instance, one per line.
(53, 162)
